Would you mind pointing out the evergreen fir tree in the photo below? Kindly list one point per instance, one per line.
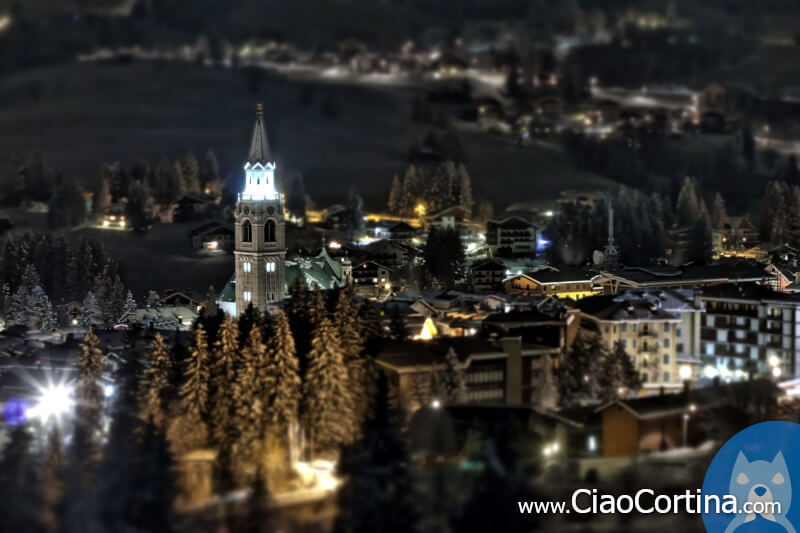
(134, 487)
(444, 257)
(19, 502)
(130, 304)
(396, 196)
(30, 278)
(90, 314)
(688, 208)
(17, 309)
(317, 310)
(378, 494)
(575, 376)
(84, 448)
(89, 389)
(157, 385)
(345, 316)
(153, 300)
(250, 410)
(49, 320)
(700, 245)
(210, 170)
(616, 375)
(223, 376)
(454, 381)
(284, 371)
(51, 483)
(370, 328)
(464, 198)
(719, 214)
(329, 405)
(190, 170)
(190, 430)
(37, 309)
(223, 415)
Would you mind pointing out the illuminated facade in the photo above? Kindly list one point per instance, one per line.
(260, 237)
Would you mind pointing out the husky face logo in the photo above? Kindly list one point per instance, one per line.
(761, 482)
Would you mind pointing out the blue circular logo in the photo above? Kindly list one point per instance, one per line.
(748, 487)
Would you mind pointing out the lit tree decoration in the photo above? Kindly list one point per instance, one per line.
(283, 370)
(247, 397)
(352, 343)
(190, 430)
(223, 378)
(329, 400)
(156, 382)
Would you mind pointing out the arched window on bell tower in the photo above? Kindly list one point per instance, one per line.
(247, 231)
(269, 231)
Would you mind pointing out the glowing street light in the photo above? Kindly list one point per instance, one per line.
(55, 401)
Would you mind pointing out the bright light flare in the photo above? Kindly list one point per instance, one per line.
(428, 331)
(55, 401)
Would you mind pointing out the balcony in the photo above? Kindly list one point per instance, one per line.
(649, 347)
(648, 333)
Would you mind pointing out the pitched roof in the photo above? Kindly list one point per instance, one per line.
(512, 222)
(259, 145)
(489, 264)
(624, 307)
(402, 227)
(560, 275)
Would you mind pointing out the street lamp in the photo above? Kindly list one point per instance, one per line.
(55, 401)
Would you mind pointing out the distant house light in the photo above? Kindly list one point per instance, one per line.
(428, 331)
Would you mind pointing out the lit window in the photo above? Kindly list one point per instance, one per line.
(270, 267)
(247, 296)
(247, 266)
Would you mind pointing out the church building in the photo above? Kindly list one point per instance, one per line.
(260, 235)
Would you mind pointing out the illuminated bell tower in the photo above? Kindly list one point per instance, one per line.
(260, 249)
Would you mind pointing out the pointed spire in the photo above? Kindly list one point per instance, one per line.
(259, 145)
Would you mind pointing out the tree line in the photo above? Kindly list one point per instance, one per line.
(64, 270)
(435, 177)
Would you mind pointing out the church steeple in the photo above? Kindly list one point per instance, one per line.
(259, 144)
(259, 169)
(260, 247)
